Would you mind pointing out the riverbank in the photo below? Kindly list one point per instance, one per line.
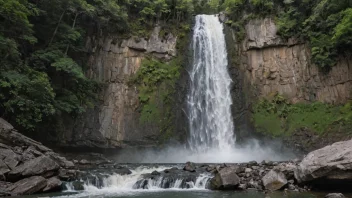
(28, 167)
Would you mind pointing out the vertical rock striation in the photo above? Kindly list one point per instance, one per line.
(273, 65)
(114, 123)
(264, 64)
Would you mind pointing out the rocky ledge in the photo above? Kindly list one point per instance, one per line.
(27, 166)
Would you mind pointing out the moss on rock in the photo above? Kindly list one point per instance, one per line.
(278, 118)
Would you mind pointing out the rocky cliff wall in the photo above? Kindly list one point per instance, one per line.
(272, 65)
(264, 65)
(114, 122)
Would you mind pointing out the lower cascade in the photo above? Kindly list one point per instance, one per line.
(140, 178)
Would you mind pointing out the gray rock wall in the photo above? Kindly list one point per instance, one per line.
(114, 123)
(272, 65)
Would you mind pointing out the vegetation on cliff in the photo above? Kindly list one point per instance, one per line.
(156, 81)
(44, 56)
(326, 24)
(276, 117)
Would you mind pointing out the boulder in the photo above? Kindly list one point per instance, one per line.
(332, 162)
(10, 158)
(28, 186)
(155, 173)
(62, 161)
(67, 175)
(52, 184)
(190, 166)
(335, 195)
(84, 162)
(37, 166)
(4, 193)
(274, 180)
(122, 171)
(77, 185)
(3, 168)
(225, 179)
(10, 137)
(287, 169)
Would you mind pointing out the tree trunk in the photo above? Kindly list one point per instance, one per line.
(73, 27)
(57, 27)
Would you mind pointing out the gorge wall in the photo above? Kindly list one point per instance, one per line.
(263, 65)
(272, 64)
(115, 120)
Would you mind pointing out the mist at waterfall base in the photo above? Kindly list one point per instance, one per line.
(209, 101)
(253, 150)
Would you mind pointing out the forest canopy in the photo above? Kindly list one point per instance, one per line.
(42, 43)
(43, 56)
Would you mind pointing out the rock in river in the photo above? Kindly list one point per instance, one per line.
(335, 195)
(274, 180)
(225, 179)
(332, 162)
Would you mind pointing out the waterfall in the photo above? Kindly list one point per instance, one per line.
(209, 98)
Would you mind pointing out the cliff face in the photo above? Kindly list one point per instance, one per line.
(272, 65)
(115, 122)
(264, 65)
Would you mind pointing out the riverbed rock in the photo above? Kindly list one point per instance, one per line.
(332, 162)
(3, 168)
(274, 180)
(28, 186)
(225, 179)
(67, 175)
(287, 169)
(53, 184)
(190, 166)
(10, 158)
(335, 195)
(37, 166)
(78, 185)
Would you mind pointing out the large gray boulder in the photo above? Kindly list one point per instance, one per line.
(274, 180)
(28, 186)
(225, 179)
(37, 166)
(335, 195)
(332, 162)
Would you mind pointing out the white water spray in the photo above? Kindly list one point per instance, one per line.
(209, 99)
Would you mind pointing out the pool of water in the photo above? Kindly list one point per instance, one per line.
(178, 194)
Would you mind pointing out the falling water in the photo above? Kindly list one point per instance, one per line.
(209, 99)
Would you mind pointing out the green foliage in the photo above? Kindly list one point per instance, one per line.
(42, 45)
(277, 117)
(343, 30)
(325, 23)
(39, 76)
(26, 96)
(152, 75)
